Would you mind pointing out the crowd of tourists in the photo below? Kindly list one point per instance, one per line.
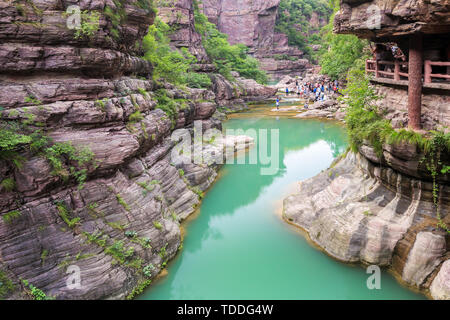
(319, 89)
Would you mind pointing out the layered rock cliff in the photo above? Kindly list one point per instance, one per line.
(384, 208)
(121, 226)
(180, 15)
(253, 23)
(376, 213)
(387, 19)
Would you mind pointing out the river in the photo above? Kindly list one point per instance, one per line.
(238, 247)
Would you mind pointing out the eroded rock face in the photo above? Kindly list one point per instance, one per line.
(249, 22)
(86, 91)
(440, 287)
(435, 106)
(380, 18)
(253, 24)
(359, 212)
(180, 15)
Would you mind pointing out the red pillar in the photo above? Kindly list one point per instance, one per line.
(415, 81)
(397, 70)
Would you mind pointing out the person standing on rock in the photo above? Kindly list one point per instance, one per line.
(287, 92)
(278, 104)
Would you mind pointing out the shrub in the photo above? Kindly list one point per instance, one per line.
(11, 216)
(8, 184)
(341, 53)
(65, 216)
(157, 225)
(198, 80)
(90, 23)
(122, 202)
(226, 57)
(119, 252)
(139, 289)
(172, 65)
(136, 117)
(147, 270)
(65, 151)
(35, 293)
(6, 285)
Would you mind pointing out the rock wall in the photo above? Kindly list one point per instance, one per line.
(253, 23)
(180, 15)
(381, 18)
(379, 213)
(86, 91)
(435, 106)
(249, 22)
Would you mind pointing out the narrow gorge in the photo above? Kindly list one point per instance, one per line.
(101, 199)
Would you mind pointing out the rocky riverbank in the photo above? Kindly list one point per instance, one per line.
(381, 213)
(122, 225)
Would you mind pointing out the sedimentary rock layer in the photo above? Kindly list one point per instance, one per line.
(380, 18)
(358, 211)
(86, 91)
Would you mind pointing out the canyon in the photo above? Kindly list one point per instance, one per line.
(251, 23)
(384, 207)
(114, 207)
(95, 94)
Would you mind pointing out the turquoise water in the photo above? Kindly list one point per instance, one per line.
(238, 247)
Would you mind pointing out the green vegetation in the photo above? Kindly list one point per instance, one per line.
(90, 23)
(18, 137)
(341, 53)
(66, 152)
(144, 242)
(35, 293)
(8, 184)
(119, 253)
(11, 142)
(197, 191)
(174, 66)
(131, 234)
(136, 117)
(157, 225)
(44, 255)
(162, 253)
(167, 104)
(116, 226)
(226, 57)
(97, 237)
(32, 100)
(366, 124)
(294, 21)
(6, 285)
(139, 289)
(65, 215)
(11, 216)
(171, 65)
(198, 80)
(122, 202)
(148, 187)
(147, 270)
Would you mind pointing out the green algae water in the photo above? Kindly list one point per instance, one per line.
(238, 247)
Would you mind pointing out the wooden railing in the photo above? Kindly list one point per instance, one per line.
(429, 75)
(376, 67)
